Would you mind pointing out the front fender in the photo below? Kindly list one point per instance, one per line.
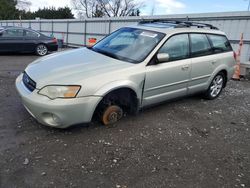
(137, 88)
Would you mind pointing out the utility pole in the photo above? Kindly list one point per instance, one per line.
(248, 6)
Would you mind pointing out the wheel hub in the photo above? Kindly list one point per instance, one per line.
(112, 114)
(42, 50)
(216, 86)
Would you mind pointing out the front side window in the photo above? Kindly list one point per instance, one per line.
(13, 33)
(177, 47)
(200, 45)
(31, 34)
(220, 43)
(129, 44)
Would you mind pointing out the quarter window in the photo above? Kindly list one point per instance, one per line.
(31, 34)
(220, 43)
(200, 45)
(177, 47)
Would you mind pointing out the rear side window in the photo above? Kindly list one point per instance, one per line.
(220, 43)
(200, 45)
(177, 47)
(31, 34)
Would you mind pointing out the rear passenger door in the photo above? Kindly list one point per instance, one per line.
(31, 40)
(202, 62)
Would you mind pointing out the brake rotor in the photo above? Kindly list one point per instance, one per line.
(112, 114)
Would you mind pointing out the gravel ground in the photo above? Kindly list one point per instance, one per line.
(186, 143)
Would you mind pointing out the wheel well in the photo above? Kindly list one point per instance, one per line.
(225, 74)
(41, 43)
(126, 98)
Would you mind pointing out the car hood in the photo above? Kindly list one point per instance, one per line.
(72, 67)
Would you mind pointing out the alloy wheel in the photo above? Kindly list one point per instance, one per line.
(216, 86)
(41, 50)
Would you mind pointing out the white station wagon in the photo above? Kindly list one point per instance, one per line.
(130, 69)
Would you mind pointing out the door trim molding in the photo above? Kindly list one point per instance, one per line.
(167, 85)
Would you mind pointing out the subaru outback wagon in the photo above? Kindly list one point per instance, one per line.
(130, 69)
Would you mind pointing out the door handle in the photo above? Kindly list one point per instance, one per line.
(185, 67)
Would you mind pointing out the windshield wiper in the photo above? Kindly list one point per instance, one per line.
(105, 53)
(113, 55)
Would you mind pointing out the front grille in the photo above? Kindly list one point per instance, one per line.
(28, 82)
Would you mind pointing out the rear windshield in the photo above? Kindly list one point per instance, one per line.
(220, 43)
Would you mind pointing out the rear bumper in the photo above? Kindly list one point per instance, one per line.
(231, 72)
(60, 113)
(52, 47)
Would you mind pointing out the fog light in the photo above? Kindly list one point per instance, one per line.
(51, 119)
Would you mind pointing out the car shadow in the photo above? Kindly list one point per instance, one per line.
(19, 54)
(97, 125)
(16, 54)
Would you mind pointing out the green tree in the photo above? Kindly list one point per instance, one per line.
(50, 13)
(8, 10)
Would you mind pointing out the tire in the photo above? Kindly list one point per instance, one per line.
(41, 50)
(216, 86)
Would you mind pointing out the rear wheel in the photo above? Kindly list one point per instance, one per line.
(41, 50)
(216, 86)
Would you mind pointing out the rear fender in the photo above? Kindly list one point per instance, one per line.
(216, 71)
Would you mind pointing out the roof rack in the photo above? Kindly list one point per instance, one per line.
(178, 23)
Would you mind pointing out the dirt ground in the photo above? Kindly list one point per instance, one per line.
(185, 143)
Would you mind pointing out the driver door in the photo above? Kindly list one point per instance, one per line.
(167, 80)
(11, 40)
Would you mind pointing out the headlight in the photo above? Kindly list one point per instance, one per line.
(54, 92)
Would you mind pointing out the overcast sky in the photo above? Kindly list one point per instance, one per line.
(165, 6)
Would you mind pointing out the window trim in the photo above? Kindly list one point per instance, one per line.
(38, 34)
(12, 29)
(188, 54)
(154, 59)
(210, 51)
(211, 43)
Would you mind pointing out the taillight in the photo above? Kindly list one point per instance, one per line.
(235, 56)
(54, 40)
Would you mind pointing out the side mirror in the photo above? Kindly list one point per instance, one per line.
(162, 57)
(1, 33)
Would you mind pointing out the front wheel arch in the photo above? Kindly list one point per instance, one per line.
(125, 98)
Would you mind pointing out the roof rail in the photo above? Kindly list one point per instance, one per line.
(201, 25)
(179, 24)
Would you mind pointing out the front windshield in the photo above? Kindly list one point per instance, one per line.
(129, 44)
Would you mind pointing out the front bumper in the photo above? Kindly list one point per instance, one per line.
(60, 113)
